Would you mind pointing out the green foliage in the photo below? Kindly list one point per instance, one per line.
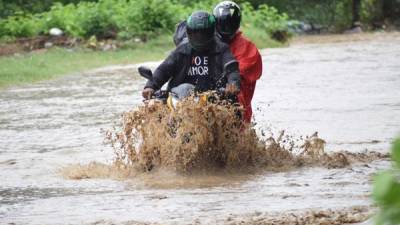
(82, 20)
(379, 10)
(127, 19)
(343, 16)
(207, 5)
(13, 7)
(146, 18)
(21, 26)
(265, 17)
(330, 14)
(92, 19)
(334, 15)
(63, 17)
(396, 153)
(105, 18)
(3, 28)
(387, 191)
(371, 10)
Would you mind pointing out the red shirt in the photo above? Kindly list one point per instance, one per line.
(250, 66)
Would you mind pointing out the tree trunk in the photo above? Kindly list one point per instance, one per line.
(356, 13)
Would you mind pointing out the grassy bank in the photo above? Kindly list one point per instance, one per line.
(48, 64)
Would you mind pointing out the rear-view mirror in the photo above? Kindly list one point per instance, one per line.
(231, 66)
(145, 72)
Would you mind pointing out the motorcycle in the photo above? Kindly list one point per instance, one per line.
(177, 94)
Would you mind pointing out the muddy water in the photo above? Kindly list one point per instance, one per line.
(347, 91)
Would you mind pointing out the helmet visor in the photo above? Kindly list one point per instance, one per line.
(226, 27)
(200, 38)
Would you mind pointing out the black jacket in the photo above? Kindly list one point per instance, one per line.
(176, 67)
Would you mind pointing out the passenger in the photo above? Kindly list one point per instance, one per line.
(199, 60)
(228, 17)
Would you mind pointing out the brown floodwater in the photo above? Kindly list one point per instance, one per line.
(348, 92)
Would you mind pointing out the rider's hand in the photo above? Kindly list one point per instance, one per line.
(147, 93)
(231, 89)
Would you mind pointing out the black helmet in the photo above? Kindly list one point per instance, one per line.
(200, 28)
(228, 16)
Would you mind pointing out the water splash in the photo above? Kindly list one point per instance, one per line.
(199, 138)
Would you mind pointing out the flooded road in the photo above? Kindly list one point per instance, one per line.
(348, 92)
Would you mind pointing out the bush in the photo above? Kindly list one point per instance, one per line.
(92, 19)
(63, 17)
(21, 26)
(371, 10)
(265, 17)
(147, 19)
(335, 15)
(3, 28)
(387, 191)
(83, 20)
(312, 11)
(343, 16)
(128, 19)
(13, 7)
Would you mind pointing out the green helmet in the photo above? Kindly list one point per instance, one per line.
(200, 30)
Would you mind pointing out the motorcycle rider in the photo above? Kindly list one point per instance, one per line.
(228, 17)
(198, 61)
